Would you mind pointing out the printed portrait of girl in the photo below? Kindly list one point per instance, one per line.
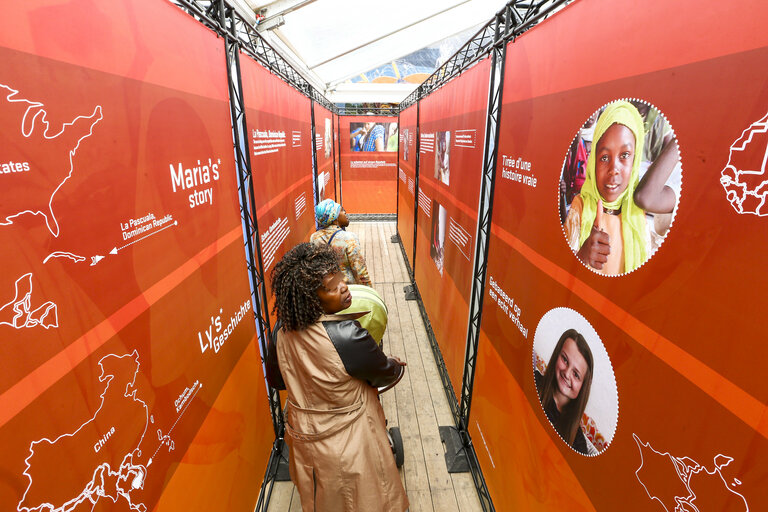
(574, 381)
(620, 187)
(564, 387)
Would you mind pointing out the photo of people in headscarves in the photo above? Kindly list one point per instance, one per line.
(620, 186)
(372, 136)
(574, 381)
(328, 140)
(443, 156)
(437, 243)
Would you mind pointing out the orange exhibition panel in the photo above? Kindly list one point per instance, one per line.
(131, 367)
(620, 357)
(450, 170)
(368, 158)
(406, 176)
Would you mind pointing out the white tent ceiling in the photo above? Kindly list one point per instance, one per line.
(330, 41)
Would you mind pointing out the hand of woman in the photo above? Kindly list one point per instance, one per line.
(399, 361)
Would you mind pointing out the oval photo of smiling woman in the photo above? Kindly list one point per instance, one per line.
(620, 186)
(575, 382)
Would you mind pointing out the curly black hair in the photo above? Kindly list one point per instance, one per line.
(295, 280)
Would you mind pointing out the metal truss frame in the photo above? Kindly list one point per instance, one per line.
(248, 209)
(411, 269)
(323, 101)
(507, 24)
(491, 40)
(354, 109)
(247, 198)
(498, 52)
(238, 34)
(313, 141)
(253, 44)
(334, 149)
(397, 174)
(204, 11)
(416, 173)
(372, 217)
(337, 132)
(523, 15)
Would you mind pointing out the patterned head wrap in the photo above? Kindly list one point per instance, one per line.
(326, 212)
(633, 226)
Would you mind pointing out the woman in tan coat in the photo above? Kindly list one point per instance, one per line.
(340, 457)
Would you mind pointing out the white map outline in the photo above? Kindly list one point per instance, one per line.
(758, 127)
(27, 128)
(166, 438)
(126, 464)
(686, 467)
(116, 249)
(23, 307)
(63, 254)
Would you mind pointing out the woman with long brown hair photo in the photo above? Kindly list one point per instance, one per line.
(564, 387)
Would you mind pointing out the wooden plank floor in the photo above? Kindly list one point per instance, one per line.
(417, 404)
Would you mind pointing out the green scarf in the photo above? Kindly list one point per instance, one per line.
(633, 226)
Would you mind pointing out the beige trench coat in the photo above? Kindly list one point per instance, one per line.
(340, 457)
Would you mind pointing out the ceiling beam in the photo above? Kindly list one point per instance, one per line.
(370, 93)
(294, 60)
(386, 58)
(282, 7)
(244, 9)
(404, 27)
(270, 23)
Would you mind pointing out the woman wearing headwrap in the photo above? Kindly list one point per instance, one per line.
(332, 221)
(605, 227)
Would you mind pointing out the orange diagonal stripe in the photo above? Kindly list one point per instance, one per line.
(21, 394)
(746, 407)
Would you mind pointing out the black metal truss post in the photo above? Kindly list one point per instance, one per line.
(247, 198)
(333, 154)
(491, 40)
(336, 157)
(268, 484)
(313, 137)
(338, 177)
(416, 173)
(397, 174)
(514, 19)
(485, 210)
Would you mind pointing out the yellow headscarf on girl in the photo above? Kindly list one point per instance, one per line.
(633, 227)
